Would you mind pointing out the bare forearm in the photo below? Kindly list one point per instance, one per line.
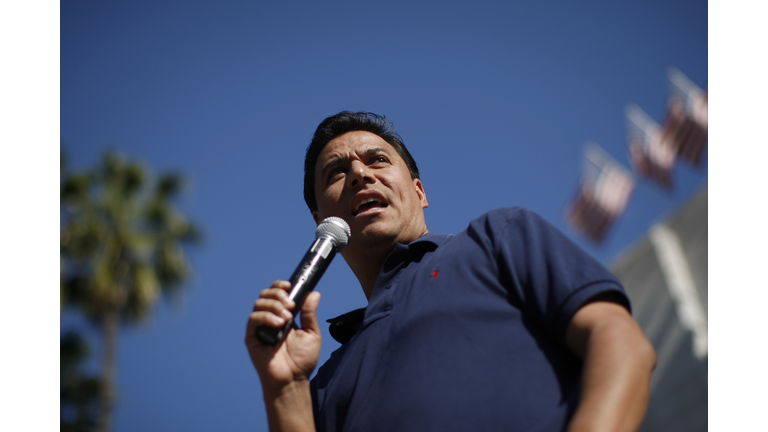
(285, 369)
(618, 361)
(290, 409)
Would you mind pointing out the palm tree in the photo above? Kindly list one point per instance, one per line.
(122, 246)
(79, 391)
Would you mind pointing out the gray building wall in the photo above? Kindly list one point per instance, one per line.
(669, 301)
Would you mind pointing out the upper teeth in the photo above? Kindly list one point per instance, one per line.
(364, 202)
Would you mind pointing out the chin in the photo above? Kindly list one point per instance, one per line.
(372, 235)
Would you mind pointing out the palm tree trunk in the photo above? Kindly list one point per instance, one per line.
(107, 397)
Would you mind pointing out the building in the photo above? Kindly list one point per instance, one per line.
(665, 276)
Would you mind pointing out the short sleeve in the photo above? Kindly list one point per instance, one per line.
(546, 272)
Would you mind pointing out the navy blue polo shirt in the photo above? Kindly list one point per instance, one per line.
(465, 333)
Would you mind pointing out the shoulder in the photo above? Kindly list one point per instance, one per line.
(505, 215)
(529, 245)
(518, 222)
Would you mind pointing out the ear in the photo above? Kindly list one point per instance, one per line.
(420, 193)
(316, 217)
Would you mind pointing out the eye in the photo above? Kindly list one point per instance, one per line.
(335, 174)
(379, 159)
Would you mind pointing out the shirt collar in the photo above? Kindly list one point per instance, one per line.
(343, 327)
(435, 239)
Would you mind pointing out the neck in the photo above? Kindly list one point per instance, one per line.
(366, 265)
(366, 261)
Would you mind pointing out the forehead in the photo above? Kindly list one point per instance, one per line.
(350, 145)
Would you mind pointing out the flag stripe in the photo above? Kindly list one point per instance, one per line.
(602, 196)
(687, 117)
(651, 147)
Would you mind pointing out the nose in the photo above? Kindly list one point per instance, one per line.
(359, 173)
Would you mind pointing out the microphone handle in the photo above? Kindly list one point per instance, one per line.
(303, 281)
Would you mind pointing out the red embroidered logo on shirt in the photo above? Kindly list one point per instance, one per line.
(435, 272)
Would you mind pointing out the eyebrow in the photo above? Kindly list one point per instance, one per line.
(336, 161)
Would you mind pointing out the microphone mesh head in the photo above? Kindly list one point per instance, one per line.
(337, 229)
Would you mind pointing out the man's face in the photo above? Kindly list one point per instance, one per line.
(362, 179)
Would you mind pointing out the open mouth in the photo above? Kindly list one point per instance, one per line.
(367, 205)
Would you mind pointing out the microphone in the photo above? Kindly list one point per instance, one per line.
(331, 236)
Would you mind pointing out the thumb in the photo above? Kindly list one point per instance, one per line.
(308, 313)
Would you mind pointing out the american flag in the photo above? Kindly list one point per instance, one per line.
(651, 148)
(686, 121)
(602, 196)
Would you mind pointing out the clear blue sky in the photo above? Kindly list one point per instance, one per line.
(494, 99)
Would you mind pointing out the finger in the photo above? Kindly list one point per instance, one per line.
(276, 307)
(284, 285)
(277, 295)
(309, 313)
(258, 319)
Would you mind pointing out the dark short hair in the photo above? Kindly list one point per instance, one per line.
(339, 124)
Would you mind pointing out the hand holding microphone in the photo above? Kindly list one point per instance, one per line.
(332, 236)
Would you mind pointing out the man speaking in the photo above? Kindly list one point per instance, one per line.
(505, 326)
